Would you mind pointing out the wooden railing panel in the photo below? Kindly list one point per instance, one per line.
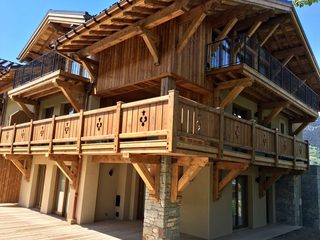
(285, 145)
(42, 131)
(237, 132)
(265, 140)
(301, 149)
(99, 124)
(22, 135)
(196, 121)
(7, 135)
(66, 128)
(150, 117)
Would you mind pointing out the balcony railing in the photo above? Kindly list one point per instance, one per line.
(164, 125)
(244, 50)
(46, 64)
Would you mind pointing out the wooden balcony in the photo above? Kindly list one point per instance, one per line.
(166, 125)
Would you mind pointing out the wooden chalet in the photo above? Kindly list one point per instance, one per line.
(189, 94)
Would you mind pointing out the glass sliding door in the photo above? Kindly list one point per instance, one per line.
(61, 194)
(240, 202)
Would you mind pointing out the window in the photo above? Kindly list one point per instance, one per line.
(48, 113)
(282, 128)
(241, 112)
(239, 202)
(68, 109)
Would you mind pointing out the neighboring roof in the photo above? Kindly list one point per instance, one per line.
(7, 70)
(54, 24)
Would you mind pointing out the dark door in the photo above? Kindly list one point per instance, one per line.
(141, 199)
(40, 186)
(240, 202)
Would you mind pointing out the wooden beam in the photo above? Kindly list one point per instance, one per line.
(254, 28)
(66, 171)
(136, 158)
(275, 112)
(25, 167)
(269, 34)
(176, 9)
(90, 65)
(152, 41)
(179, 185)
(145, 176)
(62, 157)
(246, 82)
(24, 108)
(228, 27)
(282, 54)
(271, 105)
(67, 91)
(219, 183)
(233, 94)
(287, 59)
(267, 177)
(301, 128)
(190, 31)
(24, 100)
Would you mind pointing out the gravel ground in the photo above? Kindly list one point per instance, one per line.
(301, 234)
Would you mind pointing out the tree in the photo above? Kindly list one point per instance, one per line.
(301, 3)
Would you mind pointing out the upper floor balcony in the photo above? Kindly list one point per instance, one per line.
(244, 56)
(49, 74)
(166, 125)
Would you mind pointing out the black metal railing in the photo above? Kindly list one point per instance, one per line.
(241, 50)
(46, 64)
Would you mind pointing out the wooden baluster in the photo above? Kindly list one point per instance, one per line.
(13, 137)
(30, 136)
(53, 123)
(253, 141)
(80, 132)
(173, 108)
(276, 147)
(294, 151)
(0, 134)
(221, 134)
(117, 121)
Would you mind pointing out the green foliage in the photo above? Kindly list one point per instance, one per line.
(301, 3)
(314, 153)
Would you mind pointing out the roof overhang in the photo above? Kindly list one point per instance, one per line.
(60, 20)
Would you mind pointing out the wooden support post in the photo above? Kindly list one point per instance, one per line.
(117, 125)
(80, 129)
(66, 171)
(90, 65)
(275, 112)
(294, 151)
(24, 108)
(276, 147)
(253, 141)
(53, 123)
(173, 115)
(146, 177)
(167, 84)
(221, 134)
(174, 182)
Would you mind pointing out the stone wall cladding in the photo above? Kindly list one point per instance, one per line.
(162, 218)
(288, 193)
(311, 197)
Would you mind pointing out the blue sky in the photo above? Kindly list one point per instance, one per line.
(21, 17)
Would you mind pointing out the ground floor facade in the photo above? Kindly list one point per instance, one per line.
(116, 192)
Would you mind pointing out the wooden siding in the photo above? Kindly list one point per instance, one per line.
(10, 179)
(130, 62)
(190, 63)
